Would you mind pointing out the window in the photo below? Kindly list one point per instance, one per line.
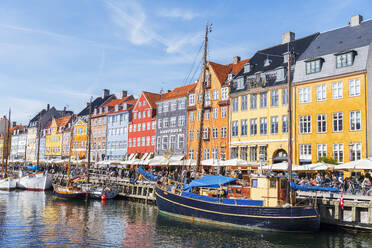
(173, 121)
(305, 152)
(192, 99)
(321, 92)
(355, 121)
(160, 108)
(215, 153)
(143, 141)
(174, 106)
(138, 141)
(206, 133)
(158, 144)
(215, 133)
(165, 107)
(321, 150)
(343, 60)
(134, 142)
(134, 115)
(243, 153)
(181, 104)
(240, 83)
(134, 127)
(198, 114)
(337, 122)
(149, 113)
(191, 153)
(285, 96)
(207, 99)
(253, 101)
(181, 121)
(153, 124)
(313, 66)
(223, 132)
(200, 97)
(191, 134)
(165, 122)
(243, 127)
(215, 113)
(253, 153)
(181, 141)
(263, 153)
(144, 103)
(165, 143)
(215, 94)
(172, 142)
(338, 152)
(206, 115)
(223, 112)
(206, 153)
(148, 125)
(234, 152)
(263, 126)
(337, 90)
(263, 100)
(148, 140)
(274, 124)
(235, 104)
(305, 124)
(253, 127)
(159, 123)
(144, 114)
(304, 95)
(355, 151)
(139, 115)
(235, 128)
(274, 98)
(244, 103)
(321, 123)
(285, 124)
(192, 116)
(354, 87)
(139, 126)
(224, 93)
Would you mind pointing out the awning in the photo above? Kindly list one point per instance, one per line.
(362, 164)
(210, 181)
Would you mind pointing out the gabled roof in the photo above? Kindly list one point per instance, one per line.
(17, 127)
(222, 71)
(339, 40)
(115, 102)
(152, 98)
(63, 121)
(95, 104)
(178, 92)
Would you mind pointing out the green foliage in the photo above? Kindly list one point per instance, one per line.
(328, 160)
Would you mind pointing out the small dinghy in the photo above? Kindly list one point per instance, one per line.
(103, 194)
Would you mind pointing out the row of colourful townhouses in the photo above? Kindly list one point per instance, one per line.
(245, 110)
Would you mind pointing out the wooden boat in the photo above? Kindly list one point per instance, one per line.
(262, 207)
(7, 183)
(103, 194)
(70, 192)
(38, 181)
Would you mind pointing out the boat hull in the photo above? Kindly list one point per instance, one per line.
(98, 193)
(70, 192)
(291, 219)
(7, 184)
(35, 181)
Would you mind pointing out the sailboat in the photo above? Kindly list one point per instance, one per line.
(263, 202)
(6, 183)
(38, 181)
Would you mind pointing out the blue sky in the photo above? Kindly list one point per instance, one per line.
(64, 51)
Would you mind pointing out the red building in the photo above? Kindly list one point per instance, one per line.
(142, 128)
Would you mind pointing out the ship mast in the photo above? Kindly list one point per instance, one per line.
(4, 164)
(7, 147)
(69, 154)
(290, 130)
(38, 142)
(208, 28)
(89, 136)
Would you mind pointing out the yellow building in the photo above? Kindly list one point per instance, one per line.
(259, 104)
(54, 137)
(331, 117)
(79, 140)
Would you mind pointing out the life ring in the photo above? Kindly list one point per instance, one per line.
(283, 195)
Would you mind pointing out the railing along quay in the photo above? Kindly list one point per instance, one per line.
(357, 212)
(140, 190)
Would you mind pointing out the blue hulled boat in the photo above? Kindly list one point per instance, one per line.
(265, 207)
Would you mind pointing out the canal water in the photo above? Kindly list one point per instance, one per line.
(38, 219)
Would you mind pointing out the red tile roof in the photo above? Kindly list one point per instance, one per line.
(178, 92)
(115, 102)
(62, 122)
(152, 98)
(222, 71)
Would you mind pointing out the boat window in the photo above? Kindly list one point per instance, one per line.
(238, 191)
(254, 183)
(272, 183)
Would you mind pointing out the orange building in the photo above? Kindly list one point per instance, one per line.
(215, 131)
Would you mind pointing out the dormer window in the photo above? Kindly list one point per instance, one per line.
(314, 66)
(240, 83)
(345, 59)
(106, 109)
(247, 67)
(116, 107)
(95, 111)
(267, 62)
(100, 110)
(285, 57)
(229, 76)
(125, 106)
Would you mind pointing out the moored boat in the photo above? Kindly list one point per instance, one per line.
(103, 194)
(70, 192)
(38, 181)
(261, 207)
(7, 183)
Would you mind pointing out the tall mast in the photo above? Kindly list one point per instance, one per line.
(89, 135)
(289, 198)
(7, 146)
(69, 154)
(38, 142)
(3, 157)
(4, 164)
(200, 140)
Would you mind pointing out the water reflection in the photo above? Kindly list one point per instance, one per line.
(37, 219)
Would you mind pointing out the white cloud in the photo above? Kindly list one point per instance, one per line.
(22, 109)
(178, 13)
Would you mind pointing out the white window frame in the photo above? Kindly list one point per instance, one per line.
(354, 87)
(321, 92)
(336, 118)
(336, 152)
(355, 120)
(321, 151)
(320, 123)
(337, 90)
(304, 95)
(305, 125)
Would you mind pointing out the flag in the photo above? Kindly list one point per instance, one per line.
(341, 203)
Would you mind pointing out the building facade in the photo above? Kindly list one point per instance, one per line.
(259, 103)
(142, 128)
(79, 139)
(332, 95)
(54, 137)
(171, 119)
(18, 143)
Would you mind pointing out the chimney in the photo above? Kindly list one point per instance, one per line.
(356, 20)
(287, 37)
(48, 106)
(106, 93)
(14, 124)
(236, 59)
(123, 93)
(168, 91)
